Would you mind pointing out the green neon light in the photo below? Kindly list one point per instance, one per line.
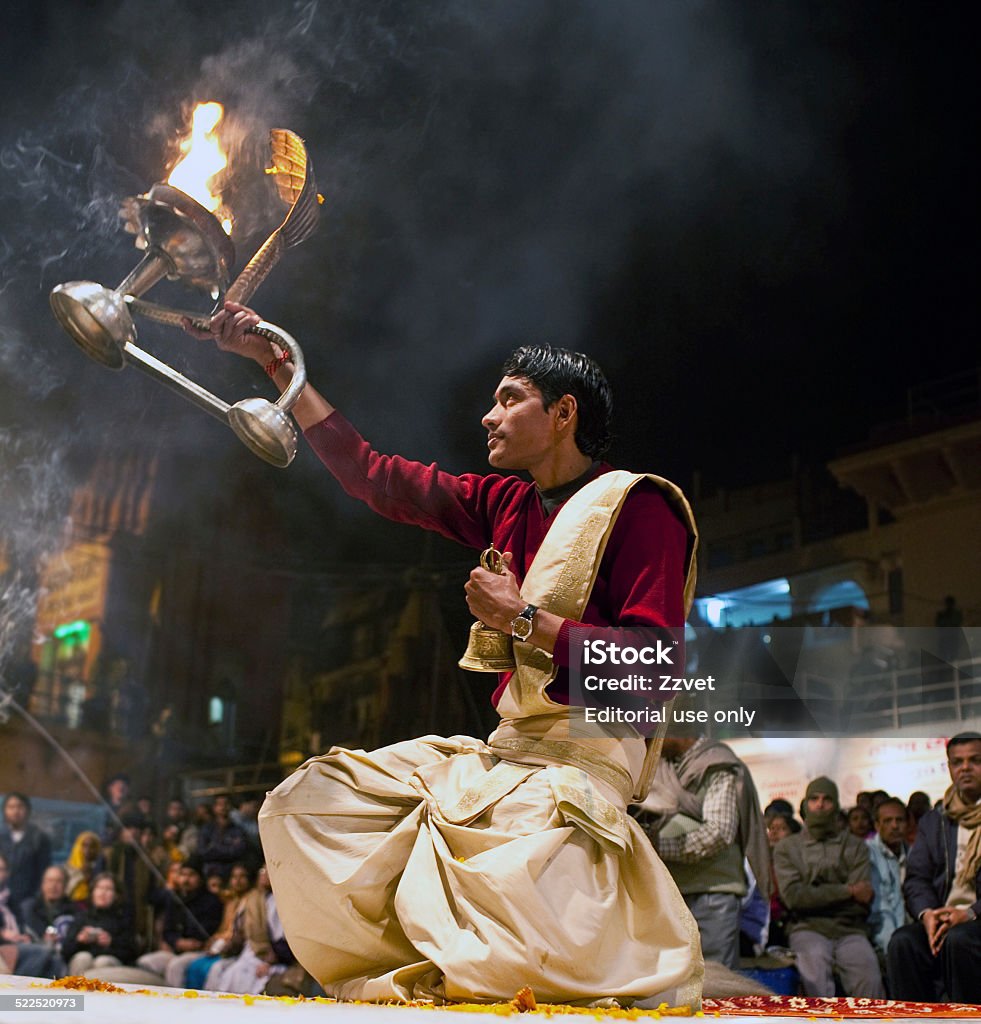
(78, 630)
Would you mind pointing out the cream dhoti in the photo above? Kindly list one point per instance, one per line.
(435, 869)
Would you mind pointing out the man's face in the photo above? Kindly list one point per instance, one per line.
(53, 884)
(964, 762)
(222, 807)
(118, 790)
(190, 880)
(859, 822)
(15, 812)
(520, 430)
(820, 803)
(238, 880)
(175, 810)
(890, 823)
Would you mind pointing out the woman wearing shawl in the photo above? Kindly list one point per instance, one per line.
(83, 864)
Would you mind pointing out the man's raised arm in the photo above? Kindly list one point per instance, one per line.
(231, 330)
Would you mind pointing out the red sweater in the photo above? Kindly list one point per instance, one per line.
(642, 573)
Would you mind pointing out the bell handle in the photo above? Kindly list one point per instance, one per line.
(175, 381)
(287, 342)
(175, 317)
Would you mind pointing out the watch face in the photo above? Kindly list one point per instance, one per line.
(521, 628)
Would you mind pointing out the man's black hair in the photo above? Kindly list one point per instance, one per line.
(22, 797)
(963, 737)
(893, 801)
(557, 372)
(788, 817)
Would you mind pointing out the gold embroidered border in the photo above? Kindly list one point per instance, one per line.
(497, 783)
(590, 761)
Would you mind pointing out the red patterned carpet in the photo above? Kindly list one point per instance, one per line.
(869, 1009)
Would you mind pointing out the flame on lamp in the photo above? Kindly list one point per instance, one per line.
(202, 160)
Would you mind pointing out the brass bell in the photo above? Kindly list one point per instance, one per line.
(488, 650)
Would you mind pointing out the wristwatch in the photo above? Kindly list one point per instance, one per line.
(524, 622)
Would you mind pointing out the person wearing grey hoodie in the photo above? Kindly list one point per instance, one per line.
(824, 879)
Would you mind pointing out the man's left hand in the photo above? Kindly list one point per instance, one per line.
(947, 918)
(493, 597)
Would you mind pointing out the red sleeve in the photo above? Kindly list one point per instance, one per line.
(462, 508)
(642, 575)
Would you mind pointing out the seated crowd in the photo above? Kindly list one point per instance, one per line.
(881, 900)
(184, 902)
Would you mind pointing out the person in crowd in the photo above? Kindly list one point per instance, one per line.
(153, 846)
(102, 933)
(179, 830)
(176, 813)
(778, 806)
(824, 879)
(190, 918)
(19, 954)
(159, 899)
(265, 951)
(26, 849)
(950, 615)
(189, 970)
(117, 791)
(779, 825)
(887, 859)
(917, 805)
(203, 814)
(200, 816)
(878, 796)
(221, 843)
(85, 861)
(129, 865)
(860, 823)
(940, 951)
(171, 840)
(246, 816)
(704, 818)
(47, 916)
(144, 804)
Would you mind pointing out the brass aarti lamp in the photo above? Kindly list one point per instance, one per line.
(184, 241)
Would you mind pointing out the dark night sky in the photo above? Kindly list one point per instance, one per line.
(759, 217)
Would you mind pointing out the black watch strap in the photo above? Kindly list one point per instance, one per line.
(527, 615)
